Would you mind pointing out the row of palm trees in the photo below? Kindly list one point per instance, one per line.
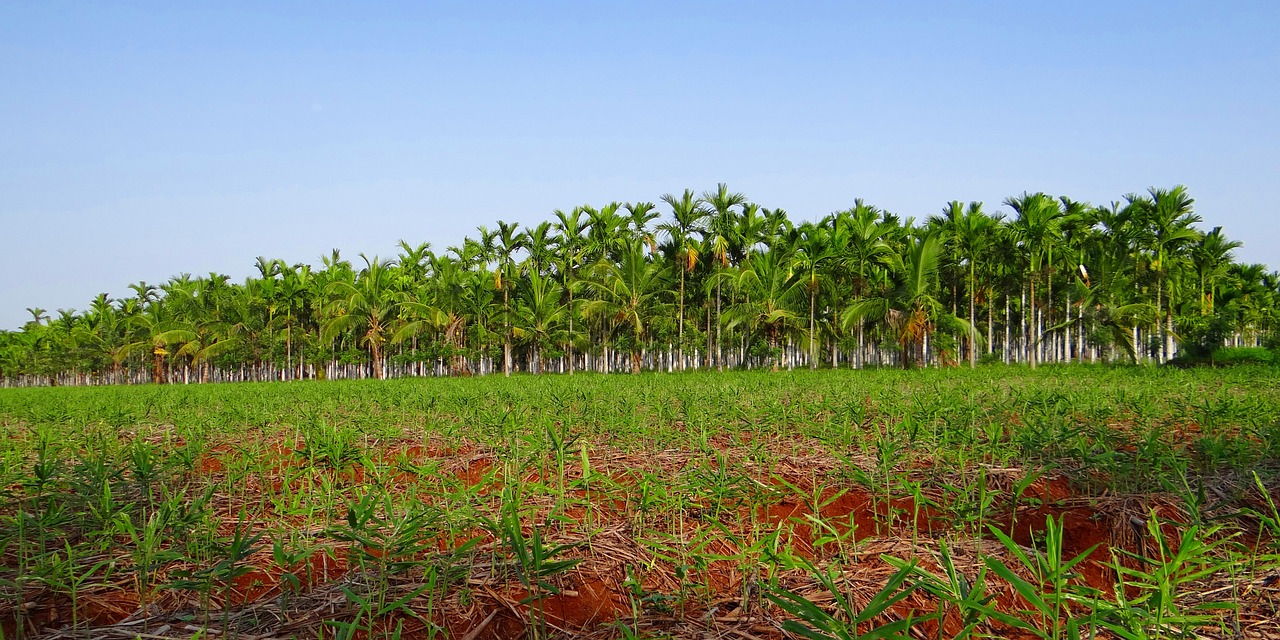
(700, 281)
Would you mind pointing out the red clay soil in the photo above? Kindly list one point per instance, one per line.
(585, 606)
(1083, 528)
(868, 515)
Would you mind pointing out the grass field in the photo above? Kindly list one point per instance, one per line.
(1000, 502)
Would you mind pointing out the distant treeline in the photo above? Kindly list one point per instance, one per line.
(701, 281)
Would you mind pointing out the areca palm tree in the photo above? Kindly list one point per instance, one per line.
(538, 316)
(627, 294)
(1211, 257)
(1037, 228)
(1105, 311)
(1110, 280)
(607, 232)
(505, 242)
(687, 215)
(974, 235)
(640, 214)
(413, 263)
(911, 308)
(366, 307)
(810, 265)
(862, 248)
(1169, 216)
(770, 294)
(102, 332)
(570, 247)
(538, 242)
(719, 234)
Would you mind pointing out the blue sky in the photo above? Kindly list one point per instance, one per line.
(142, 140)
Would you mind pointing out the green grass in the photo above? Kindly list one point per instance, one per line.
(429, 507)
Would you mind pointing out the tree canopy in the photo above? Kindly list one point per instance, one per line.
(708, 281)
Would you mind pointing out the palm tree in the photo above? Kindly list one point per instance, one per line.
(607, 234)
(538, 316)
(1169, 216)
(537, 241)
(810, 262)
(1037, 228)
(720, 234)
(365, 306)
(627, 294)
(640, 214)
(862, 248)
(1211, 256)
(911, 308)
(570, 247)
(974, 235)
(506, 242)
(1101, 289)
(687, 215)
(770, 292)
(155, 330)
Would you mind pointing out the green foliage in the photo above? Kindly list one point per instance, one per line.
(723, 282)
(849, 621)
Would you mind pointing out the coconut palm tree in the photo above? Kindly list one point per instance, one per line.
(155, 331)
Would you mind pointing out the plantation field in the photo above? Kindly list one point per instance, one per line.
(997, 502)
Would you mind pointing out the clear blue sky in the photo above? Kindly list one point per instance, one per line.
(141, 140)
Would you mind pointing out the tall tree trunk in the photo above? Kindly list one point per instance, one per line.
(991, 329)
(813, 335)
(709, 352)
(1159, 325)
(719, 344)
(973, 329)
(570, 349)
(1029, 324)
(680, 331)
(1066, 340)
(1046, 315)
(861, 356)
(378, 373)
(1007, 347)
(506, 331)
